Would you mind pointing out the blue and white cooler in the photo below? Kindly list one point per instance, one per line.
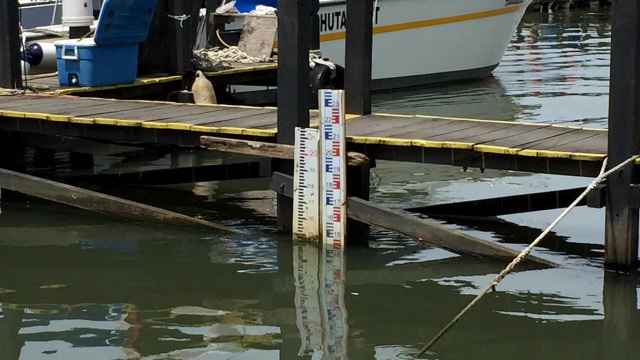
(111, 56)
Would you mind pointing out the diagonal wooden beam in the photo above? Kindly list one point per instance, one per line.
(97, 202)
(420, 229)
(504, 205)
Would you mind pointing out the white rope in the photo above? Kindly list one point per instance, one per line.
(527, 250)
(180, 18)
(230, 54)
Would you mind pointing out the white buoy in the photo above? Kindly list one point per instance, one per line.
(77, 13)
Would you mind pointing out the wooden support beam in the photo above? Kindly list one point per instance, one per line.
(272, 150)
(358, 52)
(97, 202)
(621, 224)
(505, 205)
(220, 172)
(75, 144)
(10, 73)
(420, 229)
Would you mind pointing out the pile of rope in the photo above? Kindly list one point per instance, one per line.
(213, 59)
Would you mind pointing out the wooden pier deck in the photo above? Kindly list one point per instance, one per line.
(481, 144)
(161, 84)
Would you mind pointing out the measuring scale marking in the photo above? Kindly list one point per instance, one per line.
(306, 221)
(333, 162)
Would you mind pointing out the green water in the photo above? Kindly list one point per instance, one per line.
(75, 285)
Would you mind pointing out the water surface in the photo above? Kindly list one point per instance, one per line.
(75, 285)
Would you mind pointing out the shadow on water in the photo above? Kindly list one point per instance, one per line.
(81, 286)
(512, 233)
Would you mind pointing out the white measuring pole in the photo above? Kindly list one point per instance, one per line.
(334, 166)
(306, 186)
(334, 219)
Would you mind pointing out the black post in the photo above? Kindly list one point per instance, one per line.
(357, 78)
(10, 73)
(621, 223)
(358, 185)
(13, 152)
(315, 25)
(181, 30)
(76, 32)
(13, 156)
(212, 26)
(294, 37)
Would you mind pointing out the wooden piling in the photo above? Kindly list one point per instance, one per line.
(183, 21)
(621, 223)
(294, 38)
(358, 185)
(10, 73)
(12, 152)
(315, 24)
(358, 52)
(212, 26)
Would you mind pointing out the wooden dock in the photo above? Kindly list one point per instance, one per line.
(473, 143)
(159, 85)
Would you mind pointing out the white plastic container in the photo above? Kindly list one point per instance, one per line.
(77, 13)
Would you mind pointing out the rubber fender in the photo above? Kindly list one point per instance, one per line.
(321, 77)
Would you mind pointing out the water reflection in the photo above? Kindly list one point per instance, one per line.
(556, 70)
(320, 277)
(174, 300)
(77, 285)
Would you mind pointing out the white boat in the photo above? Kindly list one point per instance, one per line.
(418, 42)
(36, 13)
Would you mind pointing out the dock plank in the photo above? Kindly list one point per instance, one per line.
(458, 133)
(208, 117)
(387, 136)
(236, 118)
(575, 141)
(375, 124)
(109, 109)
(257, 121)
(520, 137)
(158, 113)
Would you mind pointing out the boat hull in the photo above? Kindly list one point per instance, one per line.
(419, 42)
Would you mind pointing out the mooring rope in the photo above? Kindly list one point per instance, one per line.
(180, 18)
(527, 250)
